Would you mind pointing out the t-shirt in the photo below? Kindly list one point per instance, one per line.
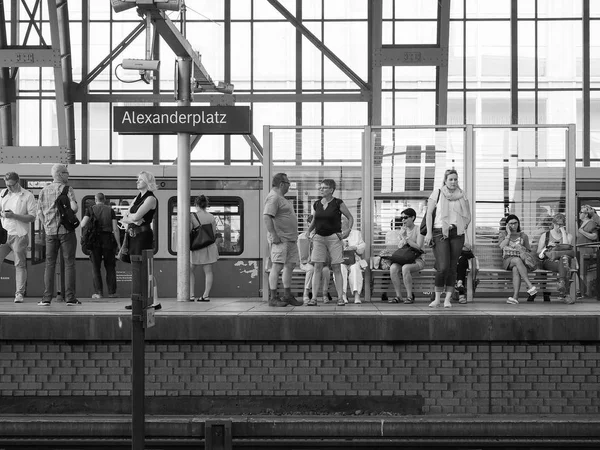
(328, 220)
(284, 216)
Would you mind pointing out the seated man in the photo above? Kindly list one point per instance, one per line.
(354, 247)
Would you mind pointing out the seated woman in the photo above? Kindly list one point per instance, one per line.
(557, 235)
(354, 246)
(513, 243)
(409, 234)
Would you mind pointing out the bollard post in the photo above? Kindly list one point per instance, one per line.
(141, 292)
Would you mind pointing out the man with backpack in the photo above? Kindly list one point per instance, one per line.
(100, 231)
(18, 211)
(56, 208)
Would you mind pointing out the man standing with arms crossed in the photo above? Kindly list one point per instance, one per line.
(18, 211)
(282, 227)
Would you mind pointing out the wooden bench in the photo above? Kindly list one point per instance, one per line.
(494, 281)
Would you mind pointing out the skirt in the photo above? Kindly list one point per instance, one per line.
(206, 255)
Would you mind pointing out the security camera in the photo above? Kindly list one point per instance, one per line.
(140, 64)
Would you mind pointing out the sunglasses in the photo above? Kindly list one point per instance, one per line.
(404, 217)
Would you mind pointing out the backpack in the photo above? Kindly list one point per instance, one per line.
(68, 219)
(89, 233)
(3, 232)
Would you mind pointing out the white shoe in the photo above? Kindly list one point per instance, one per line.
(434, 304)
(512, 301)
(96, 296)
(18, 298)
(447, 304)
(357, 300)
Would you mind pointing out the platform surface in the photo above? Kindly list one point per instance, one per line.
(485, 319)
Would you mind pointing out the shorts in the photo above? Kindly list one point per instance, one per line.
(324, 246)
(285, 253)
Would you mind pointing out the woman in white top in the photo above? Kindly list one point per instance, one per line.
(408, 235)
(447, 233)
(206, 256)
(354, 247)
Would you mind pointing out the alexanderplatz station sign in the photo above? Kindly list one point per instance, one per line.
(182, 119)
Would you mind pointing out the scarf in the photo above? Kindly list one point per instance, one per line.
(447, 201)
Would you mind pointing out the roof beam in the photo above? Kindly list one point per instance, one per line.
(317, 43)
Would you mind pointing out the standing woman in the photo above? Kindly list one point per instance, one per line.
(447, 233)
(206, 256)
(139, 217)
(329, 238)
(512, 246)
(587, 233)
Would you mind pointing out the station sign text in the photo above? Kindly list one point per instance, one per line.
(182, 119)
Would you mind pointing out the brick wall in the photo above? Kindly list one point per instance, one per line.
(557, 378)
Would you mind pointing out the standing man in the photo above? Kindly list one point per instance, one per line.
(57, 236)
(282, 226)
(106, 245)
(18, 211)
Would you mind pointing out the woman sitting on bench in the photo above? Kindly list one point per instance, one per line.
(513, 244)
(561, 264)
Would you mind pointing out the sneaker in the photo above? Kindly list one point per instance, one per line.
(532, 291)
(435, 304)
(156, 306)
(512, 301)
(447, 304)
(357, 301)
(312, 302)
(96, 296)
(531, 298)
(460, 288)
(341, 302)
(115, 295)
(568, 300)
(277, 302)
(345, 299)
(327, 298)
(305, 300)
(562, 288)
(462, 299)
(44, 303)
(18, 298)
(292, 300)
(73, 302)
(579, 295)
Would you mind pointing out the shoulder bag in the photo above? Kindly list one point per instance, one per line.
(423, 227)
(201, 236)
(560, 250)
(404, 255)
(3, 232)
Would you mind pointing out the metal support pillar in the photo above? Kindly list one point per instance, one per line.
(141, 292)
(184, 84)
(63, 75)
(6, 86)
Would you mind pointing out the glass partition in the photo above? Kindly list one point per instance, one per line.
(521, 171)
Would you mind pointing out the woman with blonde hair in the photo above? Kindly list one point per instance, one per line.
(206, 256)
(139, 218)
(447, 233)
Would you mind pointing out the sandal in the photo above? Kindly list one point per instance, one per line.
(409, 300)
(395, 300)
(203, 299)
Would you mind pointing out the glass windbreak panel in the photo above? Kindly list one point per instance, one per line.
(228, 212)
(518, 172)
(120, 205)
(408, 164)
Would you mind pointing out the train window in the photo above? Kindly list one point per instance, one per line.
(120, 204)
(228, 212)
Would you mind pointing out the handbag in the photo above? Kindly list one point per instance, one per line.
(349, 257)
(529, 260)
(560, 250)
(201, 236)
(123, 254)
(423, 226)
(404, 255)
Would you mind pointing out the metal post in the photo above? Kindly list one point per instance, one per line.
(140, 293)
(184, 82)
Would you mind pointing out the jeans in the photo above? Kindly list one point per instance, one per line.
(446, 252)
(68, 244)
(104, 250)
(18, 245)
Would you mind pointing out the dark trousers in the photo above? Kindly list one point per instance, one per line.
(446, 252)
(104, 251)
(67, 243)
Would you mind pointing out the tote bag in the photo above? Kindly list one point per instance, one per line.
(201, 236)
(423, 227)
